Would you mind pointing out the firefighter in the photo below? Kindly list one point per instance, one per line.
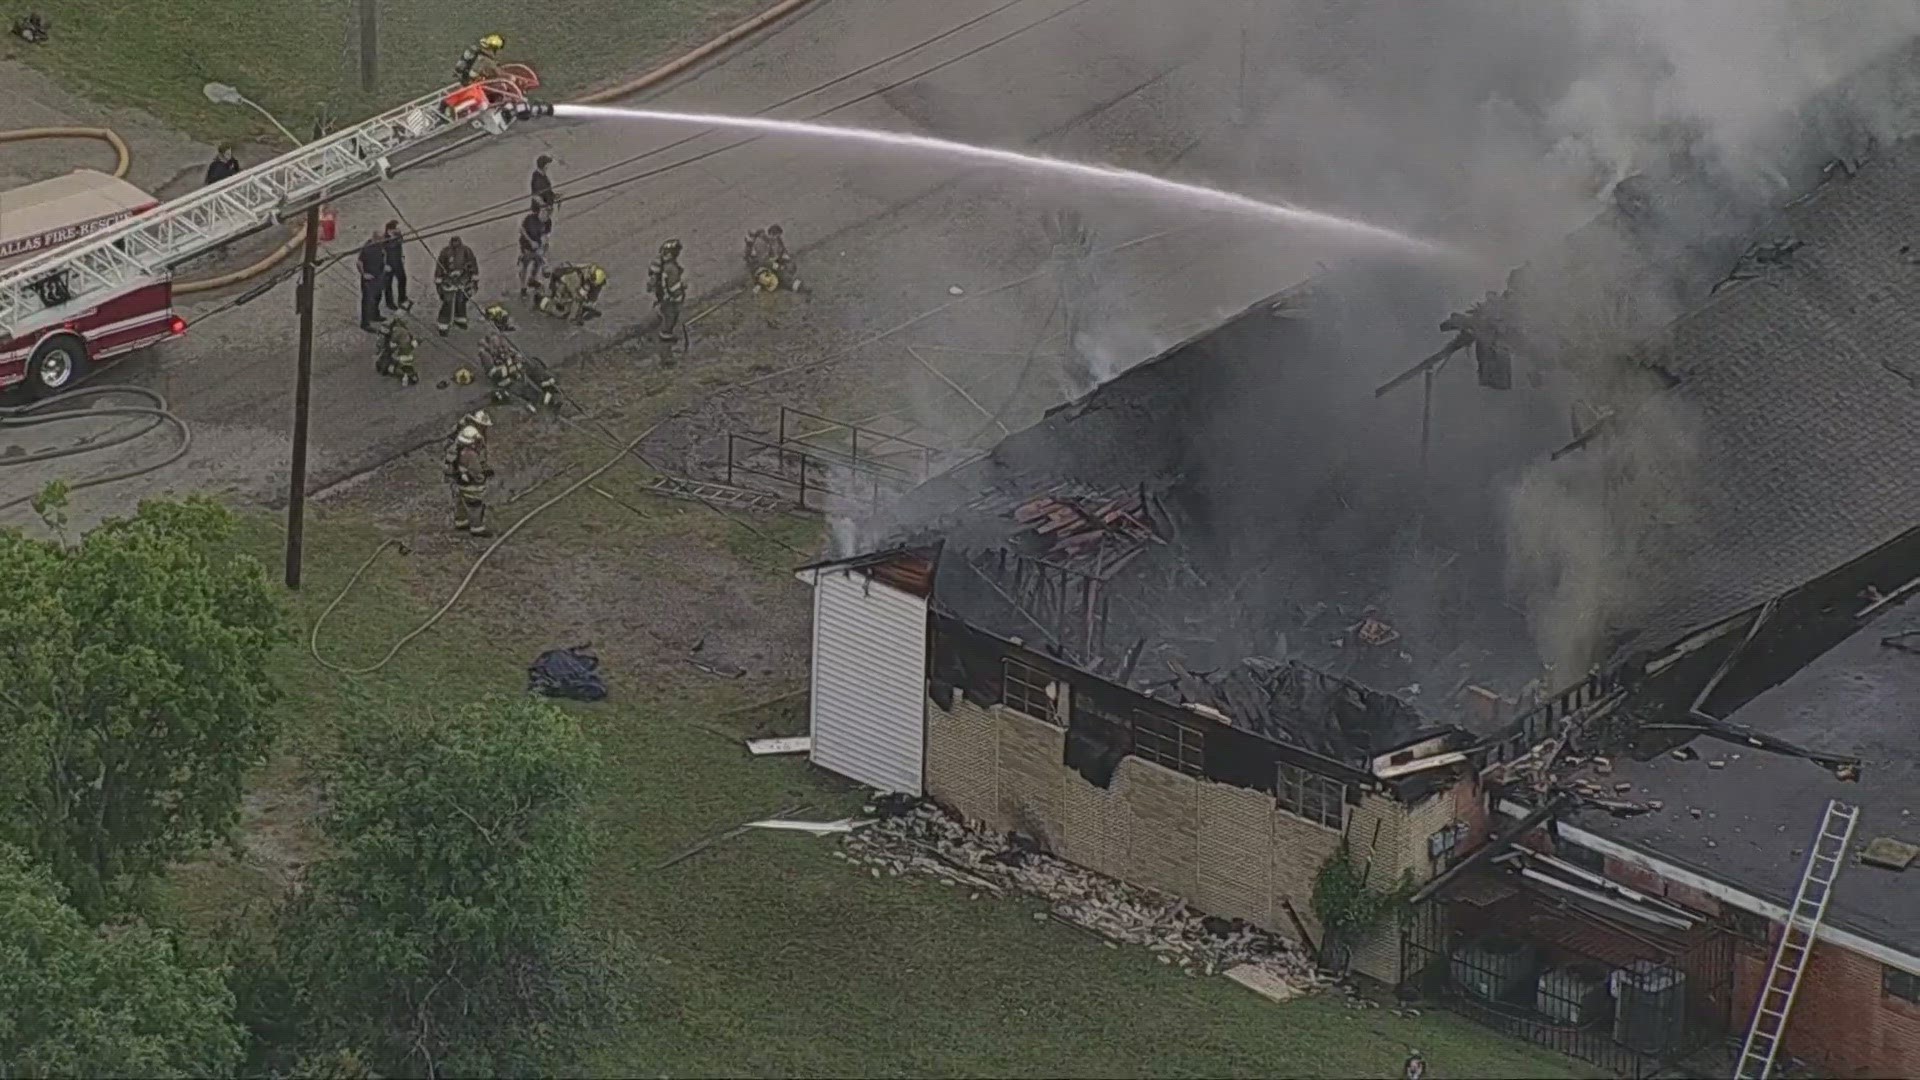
(508, 367)
(467, 474)
(667, 284)
(396, 353)
(477, 63)
(456, 274)
(534, 230)
(785, 273)
(572, 291)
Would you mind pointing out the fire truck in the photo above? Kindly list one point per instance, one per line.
(88, 269)
(42, 217)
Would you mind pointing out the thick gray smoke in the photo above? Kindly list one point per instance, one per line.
(1503, 126)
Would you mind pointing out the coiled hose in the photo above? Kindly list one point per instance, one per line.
(24, 416)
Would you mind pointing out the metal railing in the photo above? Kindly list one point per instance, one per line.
(804, 429)
(811, 477)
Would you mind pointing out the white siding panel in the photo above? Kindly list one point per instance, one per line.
(869, 681)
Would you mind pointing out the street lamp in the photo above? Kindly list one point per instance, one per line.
(222, 94)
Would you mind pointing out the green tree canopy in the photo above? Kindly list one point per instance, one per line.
(80, 1001)
(443, 936)
(136, 694)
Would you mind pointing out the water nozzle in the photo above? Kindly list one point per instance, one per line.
(528, 110)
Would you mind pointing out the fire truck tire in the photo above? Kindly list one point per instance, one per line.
(58, 364)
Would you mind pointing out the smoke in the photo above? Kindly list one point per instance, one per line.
(1503, 126)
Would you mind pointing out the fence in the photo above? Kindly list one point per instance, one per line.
(809, 476)
(1629, 1002)
(817, 435)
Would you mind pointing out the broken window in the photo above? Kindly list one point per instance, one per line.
(1312, 796)
(1901, 984)
(1027, 690)
(1442, 845)
(1166, 741)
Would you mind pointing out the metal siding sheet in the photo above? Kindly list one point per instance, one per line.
(869, 681)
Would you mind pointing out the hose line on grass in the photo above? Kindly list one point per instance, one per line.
(158, 413)
(313, 639)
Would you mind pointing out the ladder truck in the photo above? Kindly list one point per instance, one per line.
(58, 309)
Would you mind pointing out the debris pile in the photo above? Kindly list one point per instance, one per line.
(1104, 531)
(926, 840)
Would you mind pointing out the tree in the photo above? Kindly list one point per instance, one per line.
(80, 1001)
(443, 937)
(134, 694)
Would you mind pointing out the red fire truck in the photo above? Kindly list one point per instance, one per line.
(46, 215)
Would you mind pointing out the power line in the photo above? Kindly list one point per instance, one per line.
(782, 103)
(442, 228)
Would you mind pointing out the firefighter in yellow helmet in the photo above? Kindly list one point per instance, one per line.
(397, 352)
(572, 291)
(467, 473)
(477, 63)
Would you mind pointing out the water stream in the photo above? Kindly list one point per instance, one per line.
(1197, 195)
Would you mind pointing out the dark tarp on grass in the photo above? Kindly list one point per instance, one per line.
(567, 673)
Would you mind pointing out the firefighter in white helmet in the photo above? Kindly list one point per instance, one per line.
(467, 473)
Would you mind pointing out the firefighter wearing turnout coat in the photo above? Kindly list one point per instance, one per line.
(456, 275)
(467, 473)
(510, 370)
(396, 353)
(667, 284)
(572, 291)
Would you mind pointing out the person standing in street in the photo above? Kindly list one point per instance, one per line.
(456, 276)
(396, 248)
(373, 280)
(542, 185)
(533, 245)
(223, 165)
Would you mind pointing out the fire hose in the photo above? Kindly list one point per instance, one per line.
(157, 413)
(313, 639)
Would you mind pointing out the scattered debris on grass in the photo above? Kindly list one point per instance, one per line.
(817, 828)
(921, 838)
(798, 744)
(567, 673)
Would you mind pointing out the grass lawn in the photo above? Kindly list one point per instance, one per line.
(764, 954)
(297, 57)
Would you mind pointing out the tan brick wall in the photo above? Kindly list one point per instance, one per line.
(1235, 866)
(1165, 827)
(1029, 794)
(961, 771)
(1228, 851)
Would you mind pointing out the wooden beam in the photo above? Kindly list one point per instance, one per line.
(1460, 341)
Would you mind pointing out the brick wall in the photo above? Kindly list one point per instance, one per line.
(1229, 851)
(1843, 1023)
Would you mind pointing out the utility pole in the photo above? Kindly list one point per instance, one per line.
(302, 395)
(1246, 30)
(369, 44)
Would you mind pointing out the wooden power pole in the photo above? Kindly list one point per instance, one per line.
(369, 44)
(302, 396)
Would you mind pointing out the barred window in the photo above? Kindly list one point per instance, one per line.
(1442, 846)
(1029, 691)
(1311, 796)
(1166, 741)
(1900, 984)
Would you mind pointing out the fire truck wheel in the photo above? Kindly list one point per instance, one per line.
(59, 363)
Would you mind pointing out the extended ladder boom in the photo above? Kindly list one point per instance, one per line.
(1770, 1012)
(66, 282)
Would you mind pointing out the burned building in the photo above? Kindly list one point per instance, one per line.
(1236, 611)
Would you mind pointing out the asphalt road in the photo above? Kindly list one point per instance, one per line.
(1414, 115)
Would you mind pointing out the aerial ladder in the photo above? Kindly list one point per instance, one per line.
(1775, 1004)
(65, 283)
